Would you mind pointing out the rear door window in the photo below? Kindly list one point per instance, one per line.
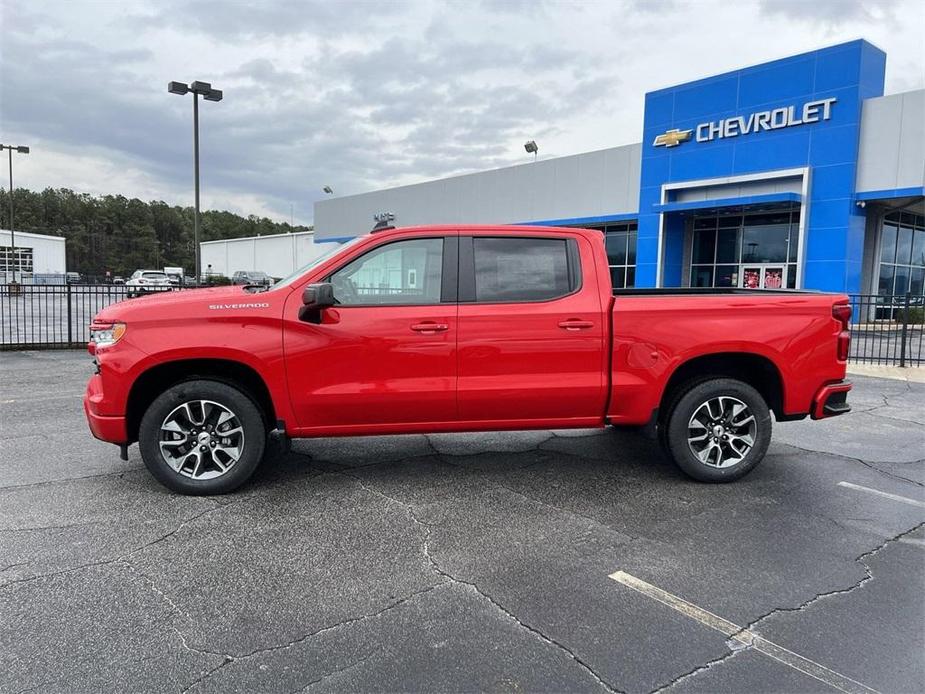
(512, 269)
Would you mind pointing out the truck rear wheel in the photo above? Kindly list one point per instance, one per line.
(719, 430)
(202, 437)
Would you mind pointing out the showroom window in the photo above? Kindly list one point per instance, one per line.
(902, 254)
(754, 250)
(620, 241)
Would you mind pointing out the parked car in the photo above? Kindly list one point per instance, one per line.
(252, 277)
(175, 275)
(118, 280)
(72, 277)
(440, 329)
(147, 281)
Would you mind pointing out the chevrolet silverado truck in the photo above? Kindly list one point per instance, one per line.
(459, 329)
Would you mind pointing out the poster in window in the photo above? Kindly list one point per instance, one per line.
(751, 278)
(773, 278)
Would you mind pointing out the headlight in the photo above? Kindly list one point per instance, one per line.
(103, 335)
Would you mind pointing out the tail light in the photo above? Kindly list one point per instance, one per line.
(842, 313)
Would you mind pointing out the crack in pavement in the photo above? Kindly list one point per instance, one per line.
(37, 528)
(334, 673)
(231, 658)
(869, 576)
(66, 480)
(869, 465)
(744, 639)
(440, 571)
(122, 557)
(533, 500)
(699, 669)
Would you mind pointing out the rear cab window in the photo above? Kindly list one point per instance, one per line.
(513, 269)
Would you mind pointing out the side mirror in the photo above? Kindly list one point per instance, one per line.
(316, 298)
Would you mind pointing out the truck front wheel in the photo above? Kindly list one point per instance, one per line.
(202, 437)
(718, 430)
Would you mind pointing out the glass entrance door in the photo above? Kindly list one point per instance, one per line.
(756, 249)
(763, 277)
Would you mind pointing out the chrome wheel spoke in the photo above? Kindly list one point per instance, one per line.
(191, 443)
(721, 431)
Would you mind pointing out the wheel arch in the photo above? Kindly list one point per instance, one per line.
(158, 378)
(756, 370)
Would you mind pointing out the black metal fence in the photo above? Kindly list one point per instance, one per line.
(888, 329)
(885, 330)
(42, 316)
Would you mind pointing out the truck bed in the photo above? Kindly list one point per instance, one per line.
(790, 335)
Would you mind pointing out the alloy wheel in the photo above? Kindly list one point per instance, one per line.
(201, 439)
(721, 431)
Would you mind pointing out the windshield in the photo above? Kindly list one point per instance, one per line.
(315, 263)
(154, 275)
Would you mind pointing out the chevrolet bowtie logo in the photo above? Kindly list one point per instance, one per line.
(672, 138)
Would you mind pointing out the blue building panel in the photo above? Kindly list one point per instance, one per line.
(787, 80)
(799, 115)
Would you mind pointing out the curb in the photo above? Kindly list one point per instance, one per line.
(910, 374)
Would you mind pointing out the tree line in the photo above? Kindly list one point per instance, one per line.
(115, 234)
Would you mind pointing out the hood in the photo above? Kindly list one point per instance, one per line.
(185, 303)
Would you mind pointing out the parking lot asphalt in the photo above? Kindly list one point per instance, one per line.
(525, 561)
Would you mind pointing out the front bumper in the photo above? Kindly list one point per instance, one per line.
(111, 429)
(831, 400)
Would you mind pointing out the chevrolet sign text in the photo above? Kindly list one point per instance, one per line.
(785, 117)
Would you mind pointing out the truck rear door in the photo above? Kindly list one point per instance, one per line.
(532, 331)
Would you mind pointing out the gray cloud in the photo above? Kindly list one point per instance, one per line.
(828, 11)
(356, 95)
(248, 19)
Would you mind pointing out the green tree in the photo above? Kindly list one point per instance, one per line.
(119, 235)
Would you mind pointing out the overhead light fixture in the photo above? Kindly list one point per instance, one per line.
(532, 148)
(328, 189)
(197, 89)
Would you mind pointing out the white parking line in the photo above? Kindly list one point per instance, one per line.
(894, 497)
(744, 636)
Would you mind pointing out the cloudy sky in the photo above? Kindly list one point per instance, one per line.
(361, 95)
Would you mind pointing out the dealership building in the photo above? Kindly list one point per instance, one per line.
(796, 173)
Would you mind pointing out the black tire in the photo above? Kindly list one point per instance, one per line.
(248, 419)
(720, 393)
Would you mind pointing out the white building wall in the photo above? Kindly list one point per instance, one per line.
(892, 146)
(278, 255)
(48, 252)
(592, 184)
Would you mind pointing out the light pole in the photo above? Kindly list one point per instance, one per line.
(203, 89)
(532, 148)
(21, 150)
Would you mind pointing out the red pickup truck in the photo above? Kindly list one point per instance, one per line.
(462, 328)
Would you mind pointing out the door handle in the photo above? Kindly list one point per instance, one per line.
(575, 324)
(430, 328)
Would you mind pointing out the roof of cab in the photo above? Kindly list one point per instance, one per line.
(493, 228)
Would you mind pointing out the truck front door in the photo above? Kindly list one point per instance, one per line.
(384, 357)
(532, 331)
